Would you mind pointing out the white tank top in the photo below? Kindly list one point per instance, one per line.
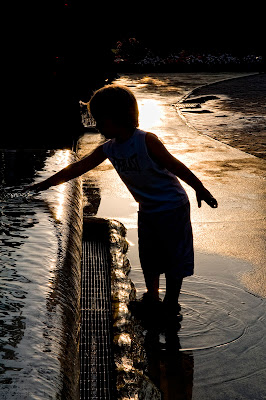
(153, 187)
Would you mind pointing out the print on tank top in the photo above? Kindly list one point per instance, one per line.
(126, 165)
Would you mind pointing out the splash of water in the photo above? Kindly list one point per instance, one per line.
(10, 193)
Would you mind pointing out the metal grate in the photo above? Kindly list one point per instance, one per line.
(96, 379)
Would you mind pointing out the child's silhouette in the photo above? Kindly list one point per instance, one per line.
(150, 172)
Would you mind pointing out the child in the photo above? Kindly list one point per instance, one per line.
(150, 172)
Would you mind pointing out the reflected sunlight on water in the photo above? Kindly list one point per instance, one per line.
(63, 158)
(61, 201)
(151, 113)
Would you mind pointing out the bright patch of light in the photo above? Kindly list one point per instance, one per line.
(150, 114)
(63, 158)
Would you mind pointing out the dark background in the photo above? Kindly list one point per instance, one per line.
(55, 53)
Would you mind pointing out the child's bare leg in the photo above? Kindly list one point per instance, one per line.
(173, 287)
(152, 284)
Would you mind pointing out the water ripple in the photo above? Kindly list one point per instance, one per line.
(215, 314)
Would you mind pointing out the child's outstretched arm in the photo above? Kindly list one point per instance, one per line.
(72, 171)
(161, 155)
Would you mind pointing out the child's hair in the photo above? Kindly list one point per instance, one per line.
(116, 102)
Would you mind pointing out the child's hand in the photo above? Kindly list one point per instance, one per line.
(37, 187)
(204, 194)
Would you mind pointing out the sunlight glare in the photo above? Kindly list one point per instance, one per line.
(63, 159)
(150, 114)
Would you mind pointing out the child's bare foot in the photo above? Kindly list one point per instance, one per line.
(172, 309)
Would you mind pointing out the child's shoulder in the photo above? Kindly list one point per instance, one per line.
(149, 136)
(151, 139)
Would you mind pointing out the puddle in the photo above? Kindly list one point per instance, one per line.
(216, 314)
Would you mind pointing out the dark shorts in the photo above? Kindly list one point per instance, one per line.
(166, 242)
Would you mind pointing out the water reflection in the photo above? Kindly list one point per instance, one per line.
(18, 216)
(63, 158)
(19, 166)
(91, 196)
(39, 286)
(169, 368)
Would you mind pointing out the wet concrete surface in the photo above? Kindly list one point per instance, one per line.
(223, 303)
(234, 112)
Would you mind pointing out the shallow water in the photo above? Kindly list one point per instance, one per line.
(236, 114)
(221, 336)
(220, 344)
(39, 279)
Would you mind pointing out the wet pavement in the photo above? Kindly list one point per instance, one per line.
(232, 111)
(221, 337)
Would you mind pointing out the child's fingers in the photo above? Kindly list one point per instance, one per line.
(199, 201)
(28, 188)
(35, 188)
(207, 197)
(212, 202)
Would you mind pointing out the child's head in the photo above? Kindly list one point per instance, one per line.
(116, 103)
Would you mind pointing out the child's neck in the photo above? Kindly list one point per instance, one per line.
(123, 134)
